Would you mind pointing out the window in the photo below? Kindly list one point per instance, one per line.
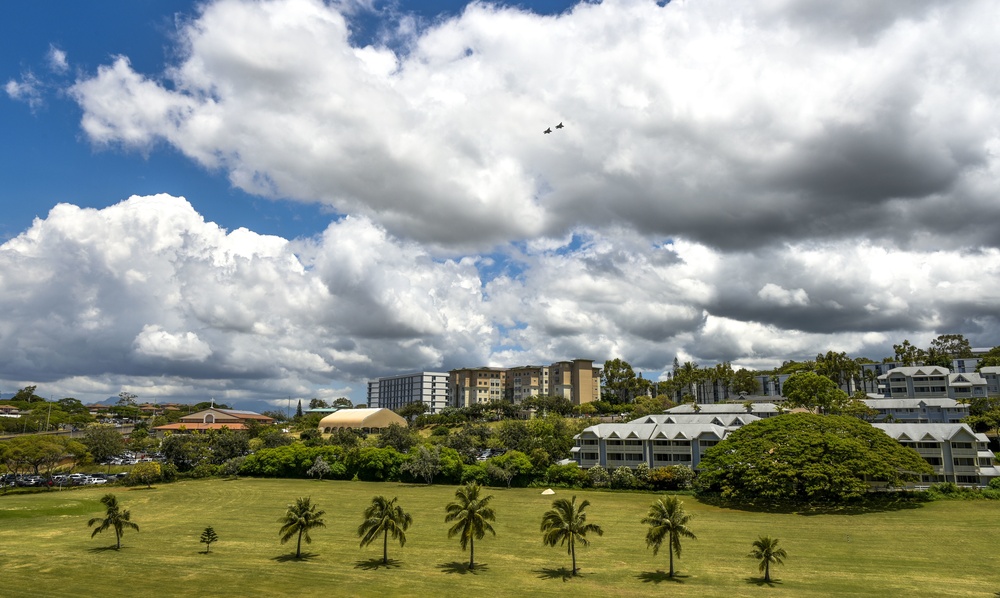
(933, 460)
(968, 479)
(590, 456)
(708, 442)
(961, 445)
(964, 462)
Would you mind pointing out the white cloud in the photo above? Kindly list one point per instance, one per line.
(27, 90)
(783, 297)
(58, 62)
(737, 126)
(155, 342)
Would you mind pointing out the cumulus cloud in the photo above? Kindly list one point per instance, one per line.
(147, 295)
(57, 59)
(748, 182)
(735, 126)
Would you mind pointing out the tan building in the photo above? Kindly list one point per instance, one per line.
(470, 386)
(577, 380)
(372, 420)
(215, 419)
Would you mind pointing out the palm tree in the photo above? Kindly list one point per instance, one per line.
(667, 521)
(384, 517)
(299, 519)
(472, 516)
(115, 517)
(566, 523)
(765, 550)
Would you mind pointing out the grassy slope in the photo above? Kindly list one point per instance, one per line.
(942, 548)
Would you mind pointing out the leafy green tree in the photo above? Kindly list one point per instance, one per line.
(103, 442)
(115, 518)
(506, 467)
(472, 515)
(27, 395)
(806, 458)
(619, 383)
(319, 468)
(208, 537)
(990, 359)
(398, 437)
(767, 552)
(146, 473)
(668, 521)
(909, 355)
(342, 402)
(299, 519)
(566, 524)
(411, 410)
(426, 463)
(813, 391)
(385, 518)
(745, 382)
(318, 404)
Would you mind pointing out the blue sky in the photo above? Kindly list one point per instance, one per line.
(745, 183)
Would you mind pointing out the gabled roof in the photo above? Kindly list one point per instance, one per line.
(931, 432)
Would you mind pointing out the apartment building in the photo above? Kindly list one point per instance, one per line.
(956, 453)
(576, 380)
(393, 392)
(923, 411)
(471, 386)
(927, 382)
(991, 374)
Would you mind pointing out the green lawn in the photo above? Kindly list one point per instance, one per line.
(938, 549)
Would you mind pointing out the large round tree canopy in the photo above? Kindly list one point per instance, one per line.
(806, 458)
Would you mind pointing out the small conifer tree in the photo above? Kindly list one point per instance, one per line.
(207, 537)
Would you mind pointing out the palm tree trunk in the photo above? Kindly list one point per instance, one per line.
(767, 572)
(298, 547)
(472, 554)
(118, 540)
(385, 547)
(671, 551)
(572, 551)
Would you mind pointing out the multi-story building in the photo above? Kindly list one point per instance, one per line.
(919, 411)
(527, 381)
(930, 382)
(991, 374)
(956, 453)
(657, 440)
(576, 380)
(393, 392)
(471, 386)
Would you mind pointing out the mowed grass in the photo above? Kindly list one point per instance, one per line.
(938, 549)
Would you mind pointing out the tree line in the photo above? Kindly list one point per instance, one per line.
(471, 516)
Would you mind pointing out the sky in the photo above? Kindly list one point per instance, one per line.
(264, 201)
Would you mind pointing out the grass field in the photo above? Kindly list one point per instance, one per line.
(946, 548)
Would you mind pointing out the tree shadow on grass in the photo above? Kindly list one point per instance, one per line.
(659, 577)
(873, 503)
(759, 582)
(462, 567)
(561, 573)
(376, 563)
(103, 548)
(284, 558)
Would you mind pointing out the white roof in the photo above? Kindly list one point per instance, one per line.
(717, 408)
(933, 432)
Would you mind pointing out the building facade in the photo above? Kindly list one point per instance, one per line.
(956, 453)
(576, 380)
(931, 382)
(393, 392)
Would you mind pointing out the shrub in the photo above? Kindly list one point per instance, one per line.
(567, 476)
(476, 474)
(995, 484)
(598, 477)
(671, 477)
(622, 478)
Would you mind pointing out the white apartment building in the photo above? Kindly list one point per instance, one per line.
(919, 411)
(392, 392)
(991, 374)
(658, 440)
(929, 382)
(956, 453)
